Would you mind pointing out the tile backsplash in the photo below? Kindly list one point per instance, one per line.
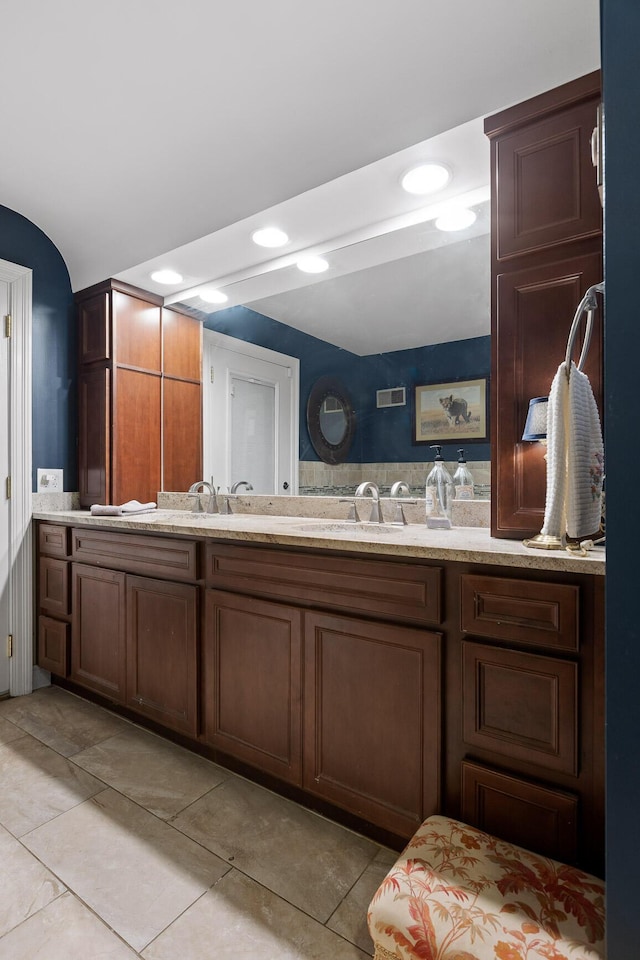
(324, 479)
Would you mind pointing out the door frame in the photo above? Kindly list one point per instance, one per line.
(19, 280)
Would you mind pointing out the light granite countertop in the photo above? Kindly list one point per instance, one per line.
(415, 540)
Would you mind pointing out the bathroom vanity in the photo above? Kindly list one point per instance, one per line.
(388, 673)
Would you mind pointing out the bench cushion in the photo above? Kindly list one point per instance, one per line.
(456, 893)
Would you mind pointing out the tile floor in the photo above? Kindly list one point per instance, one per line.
(116, 844)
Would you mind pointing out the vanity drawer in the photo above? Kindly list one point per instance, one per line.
(156, 556)
(53, 540)
(53, 645)
(520, 611)
(400, 591)
(521, 705)
(537, 817)
(54, 586)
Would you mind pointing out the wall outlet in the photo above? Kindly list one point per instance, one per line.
(49, 481)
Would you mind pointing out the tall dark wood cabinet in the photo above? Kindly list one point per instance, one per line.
(546, 240)
(140, 395)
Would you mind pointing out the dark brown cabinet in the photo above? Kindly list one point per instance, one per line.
(162, 652)
(253, 682)
(54, 598)
(546, 239)
(140, 396)
(372, 744)
(98, 649)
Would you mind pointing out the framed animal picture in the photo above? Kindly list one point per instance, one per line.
(451, 411)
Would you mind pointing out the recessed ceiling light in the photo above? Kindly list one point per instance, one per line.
(213, 296)
(456, 219)
(426, 178)
(166, 276)
(270, 237)
(312, 264)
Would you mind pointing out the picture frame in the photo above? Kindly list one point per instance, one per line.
(451, 411)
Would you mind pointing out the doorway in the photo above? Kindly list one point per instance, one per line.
(250, 416)
(16, 571)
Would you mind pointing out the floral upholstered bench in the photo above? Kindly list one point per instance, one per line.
(456, 893)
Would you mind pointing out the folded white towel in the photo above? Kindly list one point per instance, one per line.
(575, 457)
(124, 510)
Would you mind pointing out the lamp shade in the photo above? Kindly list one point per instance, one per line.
(536, 426)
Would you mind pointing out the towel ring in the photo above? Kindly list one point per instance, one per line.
(588, 303)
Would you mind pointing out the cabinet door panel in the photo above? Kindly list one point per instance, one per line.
(136, 437)
(539, 818)
(53, 646)
(98, 643)
(54, 586)
(533, 315)
(182, 434)
(53, 540)
(372, 719)
(136, 332)
(252, 683)
(94, 436)
(521, 705)
(93, 317)
(182, 346)
(162, 652)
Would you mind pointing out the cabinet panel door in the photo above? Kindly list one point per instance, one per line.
(252, 682)
(162, 652)
(182, 346)
(534, 311)
(94, 436)
(521, 705)
(182, 434)
(53, 540)
(547, 190)
(372, 719)
(136, 332)
(54, 586)
(136, 437)
(539, 818)
(98, 638)
(53, 646)
(93, 318)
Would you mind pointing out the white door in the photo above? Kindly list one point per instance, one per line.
(4, 503)
(250, 416)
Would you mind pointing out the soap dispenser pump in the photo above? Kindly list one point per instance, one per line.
(462, 479)
(439, 490)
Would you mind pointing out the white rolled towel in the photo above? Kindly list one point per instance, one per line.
(124, 510)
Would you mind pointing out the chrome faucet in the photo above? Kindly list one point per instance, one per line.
(362, 491)
(194, 491)
(240, 483)
(399, 490)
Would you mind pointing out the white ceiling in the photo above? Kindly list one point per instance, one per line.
(135, 128)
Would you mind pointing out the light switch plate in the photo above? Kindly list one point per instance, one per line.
(49, 480)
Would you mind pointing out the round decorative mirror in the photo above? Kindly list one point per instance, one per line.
(331, 420)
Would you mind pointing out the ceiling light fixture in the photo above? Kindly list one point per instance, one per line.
(427, 178)
(312, 264)
(458, 218)
(270, 237)
(213, 296)
(166, 276)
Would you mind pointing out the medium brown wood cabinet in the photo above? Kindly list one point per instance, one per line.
(546, 250)
(140, 395)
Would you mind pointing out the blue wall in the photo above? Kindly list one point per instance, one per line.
(384, 435)
(54, 345)
(621, 83)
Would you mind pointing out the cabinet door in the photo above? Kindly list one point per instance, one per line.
(182, 346)
(98, 638)
(54, 586)
(93, 321)
(182, 434)
(136, 332)
(372, 719)
(162, 652)
(252, 681)
(94, 436)
(136, 436)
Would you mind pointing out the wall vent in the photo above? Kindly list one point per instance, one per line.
(393, 397)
